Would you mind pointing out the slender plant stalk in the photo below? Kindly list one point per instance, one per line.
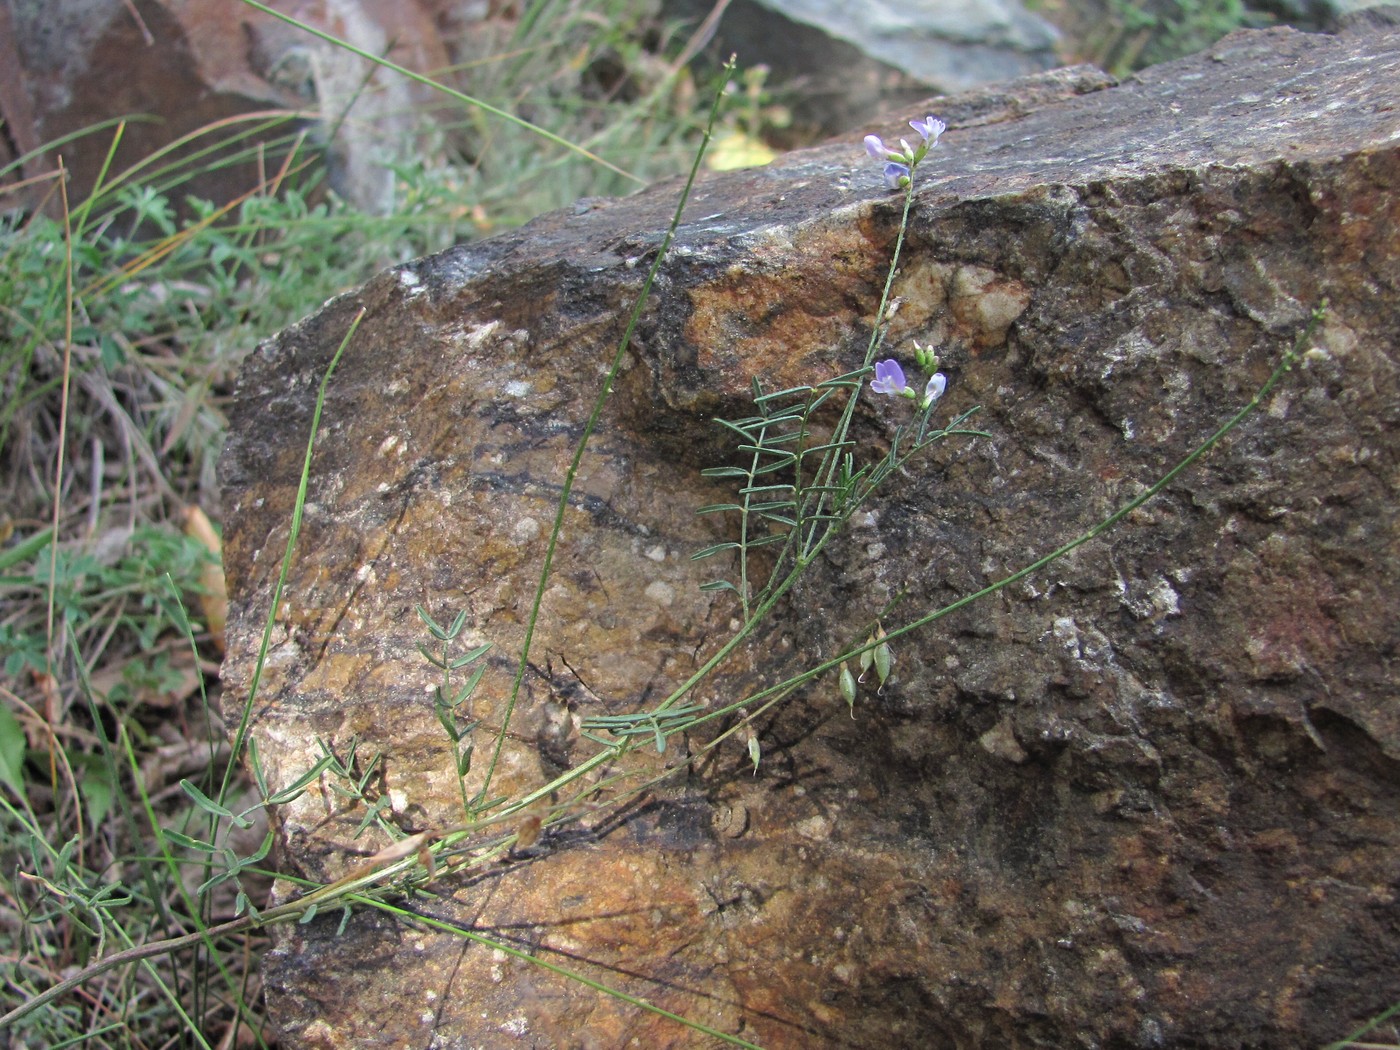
(62, 416)
(877, 333)
(1290, 358)
(419, 78)
(573, 975)
(1351, 1042)
(825, 477)
(618, 355)
(241, 734)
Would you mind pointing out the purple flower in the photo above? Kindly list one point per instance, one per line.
(937, 383)
(889, 378)
(876, 148)
(929, 128)
(900, 163)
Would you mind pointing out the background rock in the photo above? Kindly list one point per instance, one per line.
(842, 61)
(1318, 14)
(191, 63)
(1147, 798)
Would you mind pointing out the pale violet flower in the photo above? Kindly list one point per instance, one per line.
(896, 175)
(900, 163)
(876, 148)
(889, 378)
(937, 383)
(896, 163)
(929, 129)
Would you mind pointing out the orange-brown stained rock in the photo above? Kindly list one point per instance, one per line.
(1148, 797)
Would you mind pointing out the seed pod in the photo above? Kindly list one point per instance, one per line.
(884, 658)
(867, 658)
(528, 833)
(754, 753)
(848, 687)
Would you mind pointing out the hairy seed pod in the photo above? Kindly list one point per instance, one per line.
(867, 658)
(848, 687)
(884, 658)
(528, 833)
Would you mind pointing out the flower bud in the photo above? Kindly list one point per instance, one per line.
(927, 359)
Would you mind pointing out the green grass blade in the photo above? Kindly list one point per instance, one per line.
(468, 100)
(241, 734)
(604, 392)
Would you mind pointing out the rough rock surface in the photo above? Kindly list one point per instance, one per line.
(842, 60)
(1148, 798)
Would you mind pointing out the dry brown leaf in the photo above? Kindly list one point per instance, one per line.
(213, 602)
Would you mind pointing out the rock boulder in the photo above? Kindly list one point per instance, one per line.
(838, 61)
(1149, 797)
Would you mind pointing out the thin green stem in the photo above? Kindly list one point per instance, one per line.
(572, 473)
(240, 736)
(419, 78)
(573, 975)
(1290, 358)
(1351, 1042)
(827, 474)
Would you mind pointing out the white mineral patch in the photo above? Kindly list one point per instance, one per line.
(657, 553)
(817, 828)
(408, 278)
(1165, 598)
(996, 310)
(518, 388)
(1067, 634)
(661, 592)
(475, 337)
(525, 530)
